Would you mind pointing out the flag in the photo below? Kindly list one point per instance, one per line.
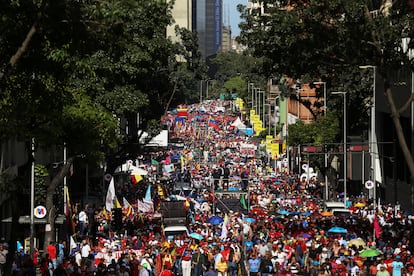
(377, 227)
(129, 211)
(110, 195)
(160, 190)
(243, 202)
(117, 204)
(68, 212)
(105, 214)
(72, 243)
(67, 203)
(125, 203)
(182, 112)
(136, 178)
(187, 204)
(224, 227)
(148, 193)
(213, 124)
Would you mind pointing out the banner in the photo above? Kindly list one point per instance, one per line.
(110, 195)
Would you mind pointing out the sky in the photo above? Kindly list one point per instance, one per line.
(230, 12)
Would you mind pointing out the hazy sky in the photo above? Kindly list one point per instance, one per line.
(230, 12)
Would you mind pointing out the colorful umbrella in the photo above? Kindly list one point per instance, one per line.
(196, 236)
(357, 242)
(369, 253)
(338, 230)
(327, 214)
(215, 220)
(304, 235)
(250, 220)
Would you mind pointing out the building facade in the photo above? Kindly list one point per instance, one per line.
(203, 16)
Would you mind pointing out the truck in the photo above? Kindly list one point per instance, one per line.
(173, 213)
(174, 218)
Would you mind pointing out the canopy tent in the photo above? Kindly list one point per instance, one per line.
(238, 123)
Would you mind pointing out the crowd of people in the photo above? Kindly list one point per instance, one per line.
(280, 227)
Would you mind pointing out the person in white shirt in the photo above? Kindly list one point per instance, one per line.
(3, 257)
(108, 258)
(85, 250)
(146, 259)
(83, 222)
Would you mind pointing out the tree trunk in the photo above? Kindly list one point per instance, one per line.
(399, 131)
(170, 99)
(51, 210)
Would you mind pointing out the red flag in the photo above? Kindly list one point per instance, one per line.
(377, 227)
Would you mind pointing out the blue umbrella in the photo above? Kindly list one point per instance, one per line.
(196, 236)
(283, 212)
(250, 220)
(215, 220)
(338, 230)
(306, 214)
(305, 235)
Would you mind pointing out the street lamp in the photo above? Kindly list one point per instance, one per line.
(32, 199)
(372, 145)
(207, 82)
(345, 157)
(325, 155)
(201, 91)
(260, 107)
(252, 90)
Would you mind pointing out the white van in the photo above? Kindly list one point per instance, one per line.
(329, 205)
(171, 231)
(341, 212)
(337, 208)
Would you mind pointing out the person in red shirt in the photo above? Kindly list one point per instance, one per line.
(388, 261)
(51, 250)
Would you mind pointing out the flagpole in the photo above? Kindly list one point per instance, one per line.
(32, 198)
(65, 209)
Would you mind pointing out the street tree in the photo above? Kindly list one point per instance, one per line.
(233, 68)
(69, 71)
(329, 41)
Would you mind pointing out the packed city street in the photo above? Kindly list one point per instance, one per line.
(280, 224)
(207, 138)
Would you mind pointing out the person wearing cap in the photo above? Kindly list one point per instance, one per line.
(397, 266)
(382, 271)
(143, 270)
(146, 259)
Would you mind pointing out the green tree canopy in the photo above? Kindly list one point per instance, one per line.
(328, 40)
(71, 71)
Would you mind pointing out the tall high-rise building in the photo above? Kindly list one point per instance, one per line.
(183, 16)
(226, 39)
(203, 16)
